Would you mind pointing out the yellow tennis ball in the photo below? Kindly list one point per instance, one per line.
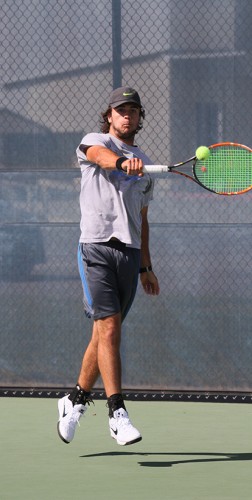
(202, 153)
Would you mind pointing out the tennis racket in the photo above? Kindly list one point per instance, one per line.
(226, 171)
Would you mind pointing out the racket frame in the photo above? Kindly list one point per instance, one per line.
(213, 146)
(194, 178)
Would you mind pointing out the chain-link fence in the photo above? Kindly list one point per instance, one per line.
(191, 62)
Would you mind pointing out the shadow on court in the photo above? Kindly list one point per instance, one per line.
(201, 457)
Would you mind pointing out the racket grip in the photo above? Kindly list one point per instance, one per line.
(152, 169)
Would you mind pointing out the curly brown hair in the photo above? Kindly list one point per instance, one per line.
(104, 123)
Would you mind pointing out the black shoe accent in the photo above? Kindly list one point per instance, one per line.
(64, 412)
(80, 397)
(134, 441)
(115, 431)
(115, 402)
(61, 437)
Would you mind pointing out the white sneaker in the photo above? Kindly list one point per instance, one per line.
(69, 417)
(121, 428)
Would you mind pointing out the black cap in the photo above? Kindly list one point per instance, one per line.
(122, 95)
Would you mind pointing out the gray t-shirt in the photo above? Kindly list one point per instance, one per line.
(111, 201)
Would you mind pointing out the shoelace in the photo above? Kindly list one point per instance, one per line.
(123, 420)
(89, 401)
(76, 415)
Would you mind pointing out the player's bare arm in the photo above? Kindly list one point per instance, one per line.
(107, 159)
(148, 278)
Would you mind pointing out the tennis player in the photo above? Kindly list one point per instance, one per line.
(113, 250)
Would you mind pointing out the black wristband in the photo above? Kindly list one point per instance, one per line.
(119, 162)
(146, 269)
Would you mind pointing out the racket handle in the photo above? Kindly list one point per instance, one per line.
(152, 169)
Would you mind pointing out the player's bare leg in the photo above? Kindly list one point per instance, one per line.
(73, 406)
(102, 356)
(109, 361)
(89, 369)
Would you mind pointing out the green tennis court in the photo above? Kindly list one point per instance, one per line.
(189, 451)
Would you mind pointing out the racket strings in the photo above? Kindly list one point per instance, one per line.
(227, 170)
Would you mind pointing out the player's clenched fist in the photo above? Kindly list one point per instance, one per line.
(133, 166)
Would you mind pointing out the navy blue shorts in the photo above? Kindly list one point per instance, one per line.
(109, 273)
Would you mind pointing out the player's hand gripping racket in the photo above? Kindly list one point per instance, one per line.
(224, 168)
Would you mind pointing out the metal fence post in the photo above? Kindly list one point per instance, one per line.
(116, 44)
